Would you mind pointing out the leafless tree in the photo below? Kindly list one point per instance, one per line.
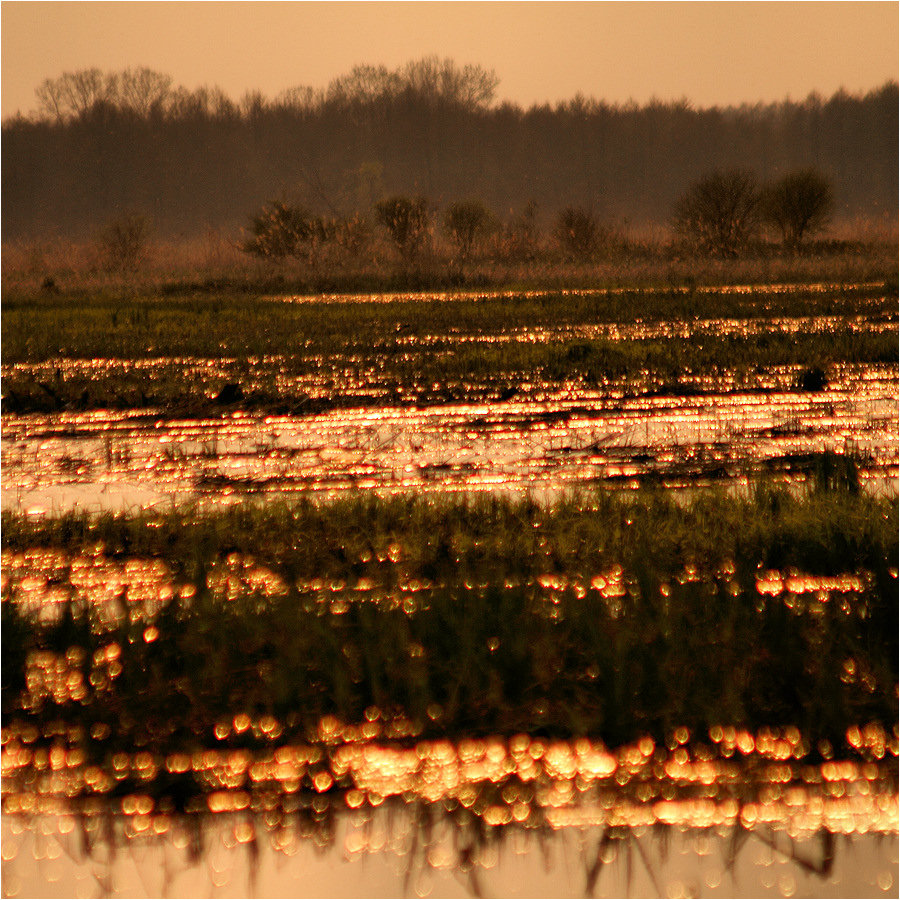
(363, 84)
(406, 220)
(578, 233)
(74, 93)
(143, 90)
(720, 212)
(441, 80)
(465, 222)
(301, 98)
(123, 243)
(799, 204)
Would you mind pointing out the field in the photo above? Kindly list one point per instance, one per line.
(632, 511)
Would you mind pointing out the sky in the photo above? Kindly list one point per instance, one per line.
(710, 53)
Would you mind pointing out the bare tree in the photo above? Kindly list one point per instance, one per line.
(124, 243)
(720, 212)
(799, 204)
(143, 90)
(202, 102)
(253, 104)
(437, 80)
(280, 230)
(301, 98)
(52, 99)
(520, 239)
(465, 222)
(578, 233)
(363, 84)
(74, 93)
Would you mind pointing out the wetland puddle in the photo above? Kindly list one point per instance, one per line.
(372, 809)
(541, 441)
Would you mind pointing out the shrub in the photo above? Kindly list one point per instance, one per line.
(799, 204)
(124, 242)
(277, 231)
(352, 234)
(520, 239)
(465, 222)
(720, 212)
(281, 230)
(578, 233)
(406, 221)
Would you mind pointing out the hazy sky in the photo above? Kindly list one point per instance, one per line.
(713, 53)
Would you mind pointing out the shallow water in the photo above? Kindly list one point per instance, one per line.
(733, 814)
(542, 441)
(386, 855)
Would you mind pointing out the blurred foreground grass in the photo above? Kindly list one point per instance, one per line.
(609, 616)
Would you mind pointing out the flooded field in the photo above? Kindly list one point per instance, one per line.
(542, 441)
(400, 686)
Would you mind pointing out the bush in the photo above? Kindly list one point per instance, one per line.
(578, 233)
(124, 242)
(352, 235)
(720, 212)
(799, 204)
(465, 222)
(406, 221)
(280, 231)
(277, 231)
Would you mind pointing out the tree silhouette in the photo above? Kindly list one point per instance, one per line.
(720, 212)
(520, 239)
(281, 230)
(578, 233)
(465, 221)
(799, 204)
(406, 221)
(73, 94)
(143, 90)
(442, 81)
(103, 143)
(123, 243)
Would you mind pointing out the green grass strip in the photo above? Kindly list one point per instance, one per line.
(222, 325)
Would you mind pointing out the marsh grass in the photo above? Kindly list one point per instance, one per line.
(481, 617)
(407, 341)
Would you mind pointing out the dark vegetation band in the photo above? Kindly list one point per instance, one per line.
(103, 145)
(612, 617)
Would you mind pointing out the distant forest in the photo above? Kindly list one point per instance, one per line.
(103, 145)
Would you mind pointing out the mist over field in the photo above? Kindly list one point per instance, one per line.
(103, 145)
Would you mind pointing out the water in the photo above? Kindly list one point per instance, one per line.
(384, 854)
(728, 814)
(542, 441)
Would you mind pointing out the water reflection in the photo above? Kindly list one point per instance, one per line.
(563, 824)
(240, 801)
(45, 582)
(404, 851)
(541, 442)
(763, 291)
(246, 806)
(731, 813)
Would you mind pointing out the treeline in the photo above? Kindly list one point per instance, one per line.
(101, 146)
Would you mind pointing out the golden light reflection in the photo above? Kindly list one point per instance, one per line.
(545, 437)
(520, 781)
